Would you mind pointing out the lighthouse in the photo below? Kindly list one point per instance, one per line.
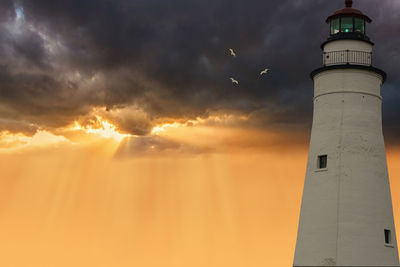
(346, 216)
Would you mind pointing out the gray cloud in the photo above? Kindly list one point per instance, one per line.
(16, 126)
(169, 58)
(154, 145)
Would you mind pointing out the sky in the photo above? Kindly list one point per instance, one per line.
(123, 140)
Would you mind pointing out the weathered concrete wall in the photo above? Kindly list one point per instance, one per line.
(347, 206)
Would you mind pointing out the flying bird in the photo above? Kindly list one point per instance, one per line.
(232, 52)
(264, 71)
(234, 81)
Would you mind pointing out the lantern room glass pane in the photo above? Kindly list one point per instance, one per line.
(335, 26)
(347, 24)
(359, 25)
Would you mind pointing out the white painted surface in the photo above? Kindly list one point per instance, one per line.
(348, 45)
(347, 206)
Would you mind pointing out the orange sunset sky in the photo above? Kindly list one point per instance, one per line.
(124, 142)
(80, 204)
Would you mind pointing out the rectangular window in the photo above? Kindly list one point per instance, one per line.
(322, 161)
(388, 237)
(359, 25)
(335, 26)
(347, 24)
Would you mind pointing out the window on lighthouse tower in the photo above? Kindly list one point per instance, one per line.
(359, 25)
(388, 237)
(322, 161)
(335, 26)
(347, 24)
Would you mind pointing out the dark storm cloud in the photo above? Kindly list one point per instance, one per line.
(28, 47)
(170, 58)
(6, 7)
(38, 98)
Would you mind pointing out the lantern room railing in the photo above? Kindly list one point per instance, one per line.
(347, 57)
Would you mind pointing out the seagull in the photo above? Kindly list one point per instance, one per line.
(232, 52)
(264, 71)
(234, 81)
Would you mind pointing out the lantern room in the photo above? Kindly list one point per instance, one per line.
(347, 21)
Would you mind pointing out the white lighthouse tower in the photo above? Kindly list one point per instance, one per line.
(346, 216)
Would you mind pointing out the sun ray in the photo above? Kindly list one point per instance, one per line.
(105, 129)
